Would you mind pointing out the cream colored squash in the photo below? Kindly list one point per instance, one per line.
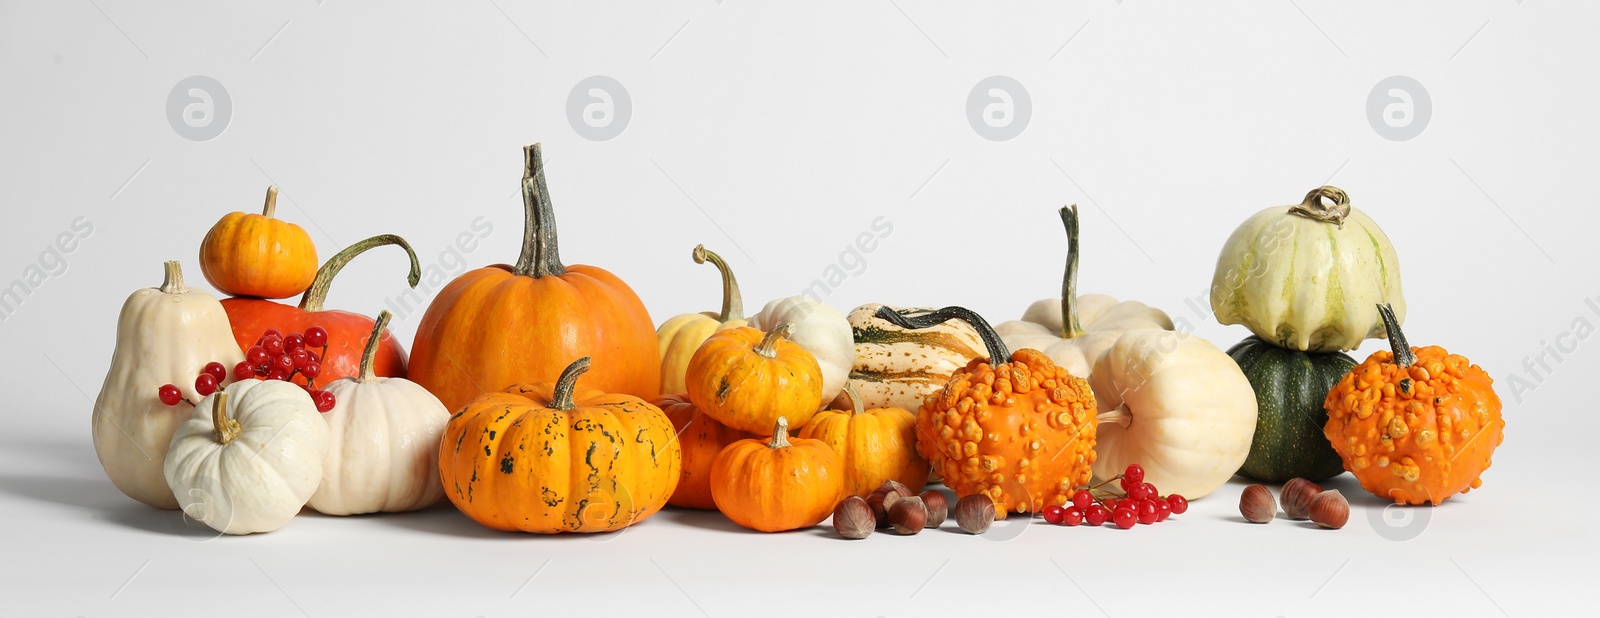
(821, 330)
(1176, 405)
(249, 457)
(165, 335)
(1075, 330)
(1308, 277)
(383, 443)
(681, 335)
(897, 367)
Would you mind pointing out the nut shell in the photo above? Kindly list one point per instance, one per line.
(1296, 497)
(908, 515)
(1256, 504)
(938, 507)
(1330, 510)
(881, 499)
(975, 513)
(853, 519)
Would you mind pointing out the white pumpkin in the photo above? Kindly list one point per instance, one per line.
(165, 335)
(1308, 277)
(1075, 330)
(821, 330)
(1176, 405)
(897, 367)
(383, 451)
(249, 457)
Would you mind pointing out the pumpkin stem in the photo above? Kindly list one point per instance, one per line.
(1070, 327)
(562, 399)
(271, 208)
(780, 434)
(768, 348)
(1117, 416)
(991, 340)
(540, 254)
(1314, 209)
(732, 303)
(1403, 356)
(370, 353)
(172, 279)
(226, 429)
(318, 292)
(855, 399)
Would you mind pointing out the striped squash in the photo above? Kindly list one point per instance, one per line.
(1290, 387)
(898, 368)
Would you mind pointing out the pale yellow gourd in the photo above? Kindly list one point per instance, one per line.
(681, 335)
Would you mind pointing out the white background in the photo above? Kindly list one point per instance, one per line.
(776, 134)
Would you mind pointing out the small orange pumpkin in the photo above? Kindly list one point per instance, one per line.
(1414, 425)
(875, 445)
(1021, 431)
(776, 485)
(246, 254)
(701, 438)
(746, 379)
(551, 458)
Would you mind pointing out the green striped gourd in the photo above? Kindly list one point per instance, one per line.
(898, 368)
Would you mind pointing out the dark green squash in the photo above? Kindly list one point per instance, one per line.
(1290, 388)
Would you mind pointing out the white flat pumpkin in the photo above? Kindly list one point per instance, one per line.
(821, 330)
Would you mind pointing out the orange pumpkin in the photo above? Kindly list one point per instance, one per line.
(774, 485)
(1021, 432)
(347, 332)
(1414, 425)
(746, 379)
(551, 458)
(502, 324)
(874, 445)
(247, 254)
(701, 438)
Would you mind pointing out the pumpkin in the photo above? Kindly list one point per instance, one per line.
(383, 433)
(681, 335)
(746, 379)
(347, 331)
(820, 330)
(1012, 426)
(1415, 425)
(165, 335)
(551, 458)
(1075, 330)
(249, 457)
(503, 325)
(776, 485)
(247, 254)
(897, 367)
(874, 445)
(1308, 276)
(701, 438)
(1176, 405)
(1290, 387)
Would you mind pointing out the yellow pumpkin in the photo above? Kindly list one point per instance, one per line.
(679, 337)
(874, 445)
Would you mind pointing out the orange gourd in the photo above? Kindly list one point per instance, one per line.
(874, 445)
(1414, 425)
(701, 438)
(746, 379)
(246, 254)
(503, 324)
(1021, 431)
(775, 485)
(551, 458)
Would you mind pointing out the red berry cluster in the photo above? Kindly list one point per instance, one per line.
(273, 357)
(1140, 502)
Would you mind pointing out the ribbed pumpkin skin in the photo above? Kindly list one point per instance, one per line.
(246, 254)
(1290, 388)
(776, 489)
(874, 446)
(701, 439)
(731, 382)
(490, 328)
(677, 340)
(510, 462)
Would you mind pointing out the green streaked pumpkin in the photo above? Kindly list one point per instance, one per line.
(1290, 388)
(1308, 276)
(897, 367)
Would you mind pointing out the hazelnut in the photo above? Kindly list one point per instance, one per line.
(908, 515)
(1329, 509)
(938, 508)
(974, 513)
(853, 518)
(1296, 497)
(882, 498)
(1257, 505)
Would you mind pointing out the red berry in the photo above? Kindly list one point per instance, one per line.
(216, 370)
(311, 354)
(316, 337)
(1111, 503)
(1073, 516)
(310, 370)
(1096, 515)
(283, 362)
(323, 399)
(169, 394)
(263, 368)
(1126, 484)
(295, 341)
(1150, 491)
(271, 332)
(1147, 512)
(1136, 492)
(1163, 510)
(1178, 503)
(1053, 514)
(205, 384)
(1082, 499)
(1134, 473)
(1124, 518)
(256, 355)
(300, 356)
(243, 370)
(273, 346)
(277, 374)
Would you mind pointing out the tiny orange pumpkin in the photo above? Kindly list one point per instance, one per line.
(701, 438)
(746, 379)
(775, 485)
(874, 445)
(246, 254)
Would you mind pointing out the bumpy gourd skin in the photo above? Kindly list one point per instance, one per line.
(1415, 434)
(1021, 432)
